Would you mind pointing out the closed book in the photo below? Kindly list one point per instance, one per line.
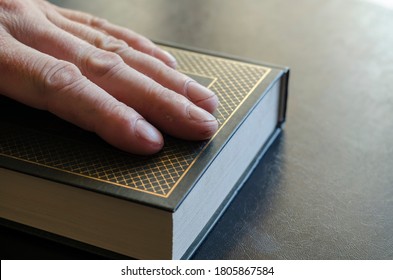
(64, 183)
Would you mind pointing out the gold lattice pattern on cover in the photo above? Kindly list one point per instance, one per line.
(157, 175)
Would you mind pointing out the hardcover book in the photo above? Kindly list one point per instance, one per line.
(61, 182)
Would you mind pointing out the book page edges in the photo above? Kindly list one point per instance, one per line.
(220, 179)
(113, 224)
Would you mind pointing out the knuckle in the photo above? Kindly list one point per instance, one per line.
(60, 76)
(157, 69)
(158, 92)
(117, 110)
(157, 96)
(144, 43)
(97, 22)
(111, 44)
(103, 63)
(186, 84)
(166, 101)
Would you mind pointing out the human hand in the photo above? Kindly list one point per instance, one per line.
(99, 76)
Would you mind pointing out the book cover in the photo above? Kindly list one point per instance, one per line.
(41, 145)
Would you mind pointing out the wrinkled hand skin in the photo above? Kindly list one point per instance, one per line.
(99, 76)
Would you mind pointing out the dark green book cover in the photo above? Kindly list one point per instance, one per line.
(39, 144)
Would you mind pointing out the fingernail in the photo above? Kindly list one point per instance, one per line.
(170, 60)
(197, 114)
(147, 132)
(197, 92)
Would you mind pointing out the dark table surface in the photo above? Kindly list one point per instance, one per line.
(325, 188)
